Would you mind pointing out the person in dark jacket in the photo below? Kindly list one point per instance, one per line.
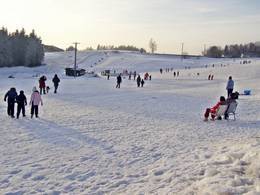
(56, 82)
(118, 81)
(10, 96)
(138, 81)
(142, 83)
(21, 103)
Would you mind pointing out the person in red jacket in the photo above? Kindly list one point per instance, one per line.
(213, 110)
(42, 84)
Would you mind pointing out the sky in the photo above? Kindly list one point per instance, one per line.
(134, 22)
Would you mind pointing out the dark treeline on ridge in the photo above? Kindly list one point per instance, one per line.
(20, 49)
(234, 51)
(121, 47)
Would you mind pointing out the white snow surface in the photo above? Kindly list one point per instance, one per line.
(92, 138)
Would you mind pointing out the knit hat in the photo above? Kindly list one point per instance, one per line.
(34, 89)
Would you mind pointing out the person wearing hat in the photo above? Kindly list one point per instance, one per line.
(21, 103)
(10, 96)
(230, 86)
(35, 101)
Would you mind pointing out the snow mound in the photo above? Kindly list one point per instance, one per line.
(233, 169)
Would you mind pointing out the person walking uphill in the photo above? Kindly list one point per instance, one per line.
(21, 103)
(10, 96)
(35, 101)
(118, 81)
(230, 86)
(42, 84)
(138, 81)
(56, 82)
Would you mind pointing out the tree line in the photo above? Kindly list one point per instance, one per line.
(20, 49)
(234, 51)
(121, 47)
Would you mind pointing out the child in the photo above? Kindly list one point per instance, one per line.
(21, 103)
(35, 101)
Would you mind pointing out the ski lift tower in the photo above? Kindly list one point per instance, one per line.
(75, 59)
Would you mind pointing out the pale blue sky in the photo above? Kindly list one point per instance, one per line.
(134, 22)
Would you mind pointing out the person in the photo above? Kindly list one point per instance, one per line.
(230, 86)
(108, 75)
(213, 110)
(138, 81)
(129, 76)
(134, 75)
(178, 73)
(174, 74)
(118, 81)
(10, 96)
(231, 99)
(142, 83)
(21, 103)
(150, 77)
(42, 84)
(161, 70)
(146, 76)
(35, 101)
(56, 82)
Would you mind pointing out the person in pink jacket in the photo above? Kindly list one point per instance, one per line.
(35, 101)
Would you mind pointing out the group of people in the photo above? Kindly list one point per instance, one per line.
(44, 88)
(13, 98)
(177, 73)
(139, 81)
(231, 97)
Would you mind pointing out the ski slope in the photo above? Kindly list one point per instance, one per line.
(92, 138)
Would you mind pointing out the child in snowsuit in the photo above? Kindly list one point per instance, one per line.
(21, 103)
(214, 109)
(35, 101)
(11, 95)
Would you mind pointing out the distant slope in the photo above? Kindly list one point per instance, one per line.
(51, 48)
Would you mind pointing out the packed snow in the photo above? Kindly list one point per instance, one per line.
(91, 138)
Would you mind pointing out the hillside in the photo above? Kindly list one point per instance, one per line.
(91, 138)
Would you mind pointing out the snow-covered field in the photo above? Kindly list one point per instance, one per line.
(92, 138)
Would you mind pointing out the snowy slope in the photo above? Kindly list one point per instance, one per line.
(94, 139)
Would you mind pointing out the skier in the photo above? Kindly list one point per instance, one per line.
(118, 81)
(21, 103)
(142, 83)
(35, 101)
(108, 75)
(56, 82)
(138, 81)
(150, 77)
(11, 95)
